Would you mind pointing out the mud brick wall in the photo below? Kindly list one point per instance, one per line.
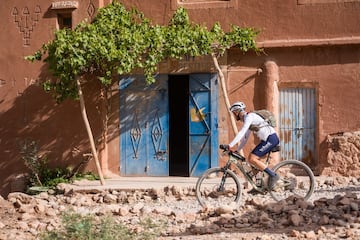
(343, 156)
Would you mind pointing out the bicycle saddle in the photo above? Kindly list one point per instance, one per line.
(276, 148)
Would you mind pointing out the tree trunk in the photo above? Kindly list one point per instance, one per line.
(226, 98)
(104, 137)
(88, 129)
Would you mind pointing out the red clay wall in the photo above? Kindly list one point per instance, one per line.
(27, 112)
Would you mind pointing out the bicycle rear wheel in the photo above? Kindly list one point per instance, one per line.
(218, 187)
(296, 180)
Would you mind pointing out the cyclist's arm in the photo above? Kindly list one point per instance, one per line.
(243, 132)
(244, 140)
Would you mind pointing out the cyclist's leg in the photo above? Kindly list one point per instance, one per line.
(256, 161)
(261, 150)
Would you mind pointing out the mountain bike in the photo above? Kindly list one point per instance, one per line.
(221, 186)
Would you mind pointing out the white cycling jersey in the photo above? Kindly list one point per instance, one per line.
(265, 130)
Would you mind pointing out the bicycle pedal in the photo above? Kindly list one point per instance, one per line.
(256, 192)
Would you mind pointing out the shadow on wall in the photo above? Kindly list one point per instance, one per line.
(57, 128)
(249, 90)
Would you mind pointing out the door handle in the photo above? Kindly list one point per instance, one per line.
(160, 155)
(299, 131)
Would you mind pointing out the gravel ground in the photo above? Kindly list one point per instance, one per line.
(328, 188)
(331, 213)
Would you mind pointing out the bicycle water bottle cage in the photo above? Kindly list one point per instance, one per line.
(237, 155)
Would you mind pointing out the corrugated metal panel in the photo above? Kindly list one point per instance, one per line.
(297, 123)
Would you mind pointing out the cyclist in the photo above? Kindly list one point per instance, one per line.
(252, 122)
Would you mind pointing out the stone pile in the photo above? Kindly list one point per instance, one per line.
(330, 218)
(333, 214)
(343, 154)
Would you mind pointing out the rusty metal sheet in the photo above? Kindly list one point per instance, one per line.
(297, 123)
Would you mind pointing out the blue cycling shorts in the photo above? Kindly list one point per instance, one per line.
(265, 146)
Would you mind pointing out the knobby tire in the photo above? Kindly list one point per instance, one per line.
(211, 193)
(297, 180)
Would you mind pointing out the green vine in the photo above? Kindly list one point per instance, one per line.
(119, 41)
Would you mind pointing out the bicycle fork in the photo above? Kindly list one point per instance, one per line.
(223, 178)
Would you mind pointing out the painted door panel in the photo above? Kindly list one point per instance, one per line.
(144, 126)
(298, 123)
(203, 134)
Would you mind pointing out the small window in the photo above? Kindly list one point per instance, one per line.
(193, 4)
(64, 20)
(192, 1)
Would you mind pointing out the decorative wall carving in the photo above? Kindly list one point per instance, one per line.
(26, 21)
(2, 82)
(91, 9)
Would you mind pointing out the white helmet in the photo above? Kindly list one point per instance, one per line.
(238, 107)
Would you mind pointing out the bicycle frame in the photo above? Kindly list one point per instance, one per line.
(237, 159)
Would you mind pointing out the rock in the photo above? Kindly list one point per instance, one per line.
(276, 208)
(23, 225)
(224, 210)
(344, 201)
(145, 210)
(65, 189)
(295, 233)
(51, 212)
(310, 235)
(342, 149)
(324, 220)
(296, 219)
(264, 217)
(20, 197)
(123, 211)
(110, 198)
(162, 210)
(354, 206)
(136, 208)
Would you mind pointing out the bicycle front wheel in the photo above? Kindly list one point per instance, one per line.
(218, 187)
(296, 179)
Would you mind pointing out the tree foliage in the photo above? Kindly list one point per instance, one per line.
(119, 41)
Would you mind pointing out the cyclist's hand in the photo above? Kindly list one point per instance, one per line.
(224, 147)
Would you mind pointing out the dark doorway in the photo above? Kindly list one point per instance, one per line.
(178, 125)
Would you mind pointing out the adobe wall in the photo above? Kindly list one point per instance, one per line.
(26, 111)
(276, 20)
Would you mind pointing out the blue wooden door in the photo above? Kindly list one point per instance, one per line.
(298, 124)
(144, 127)
(203, 133)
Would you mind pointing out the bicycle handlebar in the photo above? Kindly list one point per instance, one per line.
(224, 147)
(230, 152)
